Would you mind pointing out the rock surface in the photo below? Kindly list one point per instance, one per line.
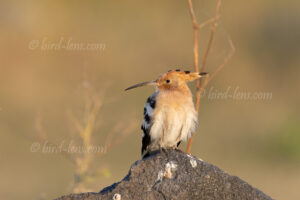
(172, 174)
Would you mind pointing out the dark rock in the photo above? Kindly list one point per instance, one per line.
(172, 174)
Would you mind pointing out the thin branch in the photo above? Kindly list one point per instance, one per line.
(76, 123)
(195, 27)
(196, 59)
(211, 20)
(207, 80)
(228, 57)
(212, 34)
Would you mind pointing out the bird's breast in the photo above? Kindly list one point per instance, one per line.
(174, 118)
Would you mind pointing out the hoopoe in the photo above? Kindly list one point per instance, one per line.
(169, 113)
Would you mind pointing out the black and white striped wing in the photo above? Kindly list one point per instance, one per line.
(147, 123)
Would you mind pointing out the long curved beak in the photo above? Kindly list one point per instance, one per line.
(141, 84)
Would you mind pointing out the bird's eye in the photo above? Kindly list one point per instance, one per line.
(168, 81)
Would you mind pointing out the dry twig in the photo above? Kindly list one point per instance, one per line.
(228, 57)
(195, 27)
(85, 129)
(212, 35)
(201, 86)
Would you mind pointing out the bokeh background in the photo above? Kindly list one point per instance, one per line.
(256, 138)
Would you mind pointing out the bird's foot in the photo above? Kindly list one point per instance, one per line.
(162, 149)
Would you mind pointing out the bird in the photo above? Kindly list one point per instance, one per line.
(169, 113)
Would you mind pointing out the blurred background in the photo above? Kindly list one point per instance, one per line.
(64, 66)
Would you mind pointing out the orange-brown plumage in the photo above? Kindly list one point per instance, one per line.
(169, 113)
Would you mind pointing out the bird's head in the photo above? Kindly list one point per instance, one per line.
(172, 80)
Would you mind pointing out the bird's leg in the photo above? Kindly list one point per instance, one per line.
(162, 149)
